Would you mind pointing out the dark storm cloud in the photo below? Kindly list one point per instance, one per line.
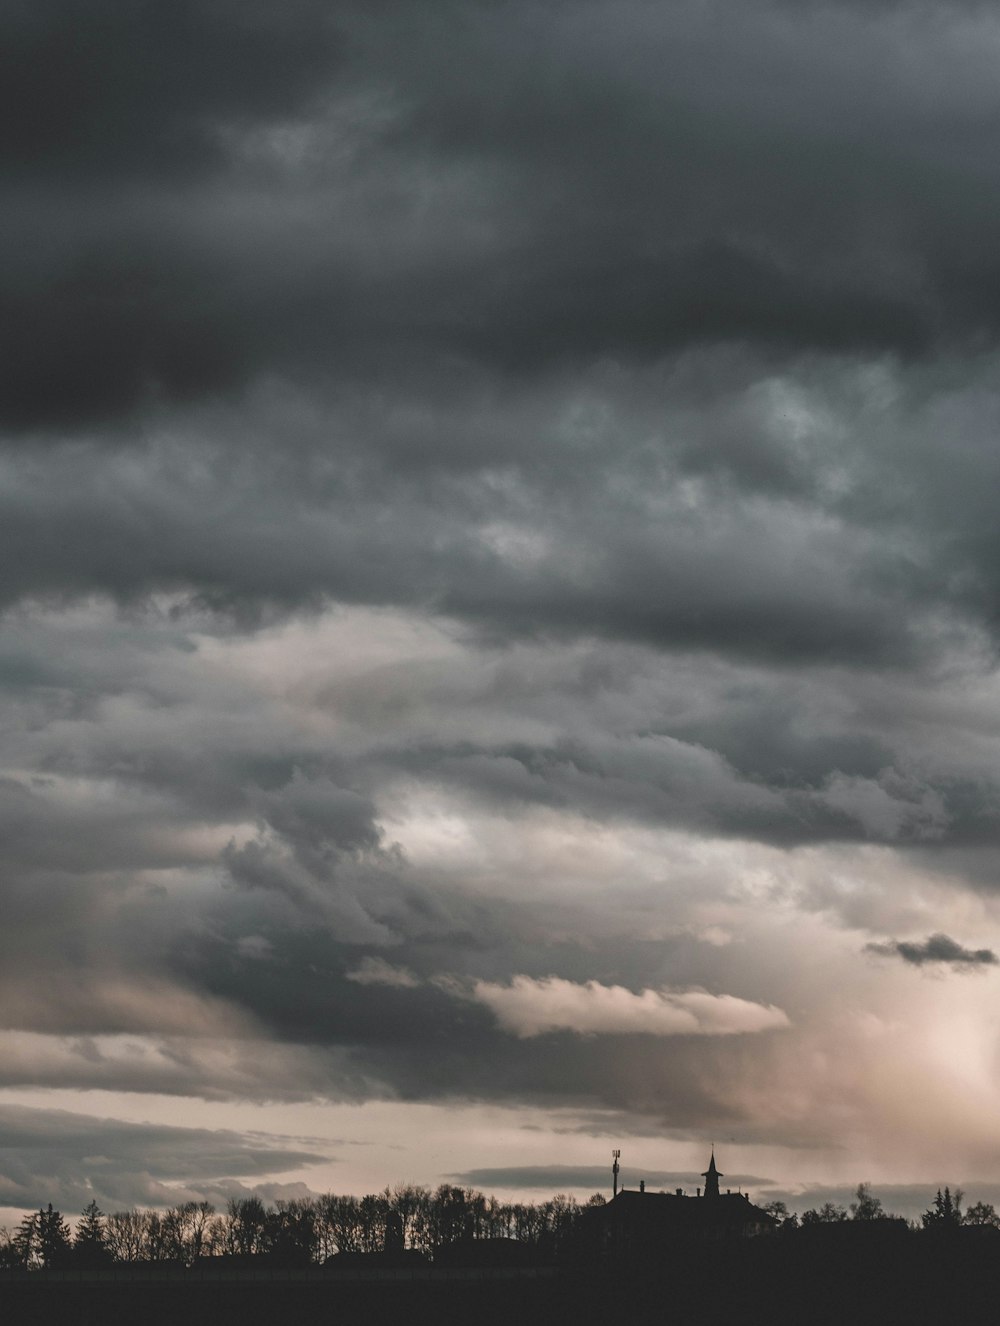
(523, 186)
(72, 1159)
(648, 352)
(933, 950)
(104, 106)
(658, 779)
(318, 884)
(686, 1088)
(512, 555)
(427, 226)
(132, 87)
(431, 1042)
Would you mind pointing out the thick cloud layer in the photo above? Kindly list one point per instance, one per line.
(499, 568)
(73, 1159)
(556, 1178)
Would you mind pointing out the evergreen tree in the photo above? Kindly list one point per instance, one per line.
(24, 1242)
(8, 1254)
(52, 1239)
(946, 1212)
(90, 1246)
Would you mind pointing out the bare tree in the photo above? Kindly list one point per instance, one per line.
(199, 1229)
(291, 1231)
(184, 1231)
(340, 1222)
(412, 1205)
(126, 1234)
(982, 1213)
(245, 1224)
(372, 1212)
(828, 1214)
(866, 1205)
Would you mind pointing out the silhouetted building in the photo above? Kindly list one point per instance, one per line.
(712, 1177)
(645, 1226)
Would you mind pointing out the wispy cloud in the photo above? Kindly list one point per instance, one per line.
(531, 1006)
(376, 971)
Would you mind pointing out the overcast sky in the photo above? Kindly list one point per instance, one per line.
(500, 589)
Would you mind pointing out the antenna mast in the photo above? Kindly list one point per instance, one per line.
(614, 1172)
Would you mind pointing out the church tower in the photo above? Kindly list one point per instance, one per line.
(711, 1177)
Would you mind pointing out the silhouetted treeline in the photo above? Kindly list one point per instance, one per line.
(308, 1231)
(944, 1212)
(296, 1232)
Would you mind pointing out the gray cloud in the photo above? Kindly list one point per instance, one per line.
(144, 90)
(508, 493)
(935, 949)
(450, 202)
(72, 1159)
(559, 1178)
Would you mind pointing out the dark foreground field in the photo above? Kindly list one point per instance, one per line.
(763, 1284)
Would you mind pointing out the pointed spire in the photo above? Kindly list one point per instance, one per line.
(711, 1177)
